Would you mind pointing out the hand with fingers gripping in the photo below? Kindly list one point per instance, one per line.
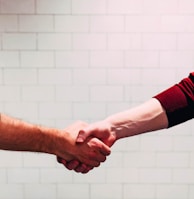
(85, 155)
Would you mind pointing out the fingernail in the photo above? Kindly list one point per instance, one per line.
(79, 139)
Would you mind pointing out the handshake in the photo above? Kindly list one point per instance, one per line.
(81, 146)
(88, 145)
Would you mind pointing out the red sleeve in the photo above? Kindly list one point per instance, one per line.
(178, 101)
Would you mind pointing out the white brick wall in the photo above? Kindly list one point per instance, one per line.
(67, 60)
(19, 41)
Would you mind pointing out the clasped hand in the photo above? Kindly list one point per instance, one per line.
(90, 146)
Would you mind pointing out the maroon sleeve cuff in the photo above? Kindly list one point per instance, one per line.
(178, 101)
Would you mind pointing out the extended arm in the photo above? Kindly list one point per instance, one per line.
(171, 107)
(149, 116)
(18, 135)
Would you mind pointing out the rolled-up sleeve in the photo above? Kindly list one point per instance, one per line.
(178, 101)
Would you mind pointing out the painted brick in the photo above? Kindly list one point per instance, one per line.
(72, 94)
(10, 190)
(107, 59)
(185, 41)
(82, 191)
(96, 176)
(156, 143)
(19, 41)
(107, 24)
(79, 110)
(11, 159)
(140, 191)
(172, 160)
(20, 76)
(36, 23)
(153, 77)
(89, 76)
(40, 93)
(89, 7)
(10, 94)
(142, 59)
(115, 160)
(40, 191)
(185, 175)
(191, 192)
(172, 191)
(53, 7)
(75, 59)
(115, 107)
(1, 76)
(191, 162)
(57, 110)
(9, 59)
(71, 23)
(106, 93)
(38, 160)
(55, 175)
(21, 110)
(176, 23)
(136, 160)
(143, 23)
(51, 41)
(124, 41)
(136, 93)
(17, 7)
(90, 41)
(116, 175)
(155, 175)
(175, 59)
(21, 175)
(183, 143)
(55, 76)
(185, 129)
(161, 7)
(127, 145)
(186, 7)
(37, 59)
(124, 76)
(159, 41)
(8, 23)
(125, 6)
(104, 190)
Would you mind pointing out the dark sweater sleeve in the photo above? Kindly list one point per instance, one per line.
(178, 101)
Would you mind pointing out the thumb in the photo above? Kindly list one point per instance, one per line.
(82, 135)
(91, 130)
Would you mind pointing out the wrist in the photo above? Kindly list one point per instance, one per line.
(63, 145)
(115, 129)
(146, 117)
(50, 140)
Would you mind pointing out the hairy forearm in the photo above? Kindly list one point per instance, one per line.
(147, 117)
(18, 135)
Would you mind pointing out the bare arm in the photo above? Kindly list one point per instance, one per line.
(168, 108)
(18, 135)
(149, 116)
(173, 106)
